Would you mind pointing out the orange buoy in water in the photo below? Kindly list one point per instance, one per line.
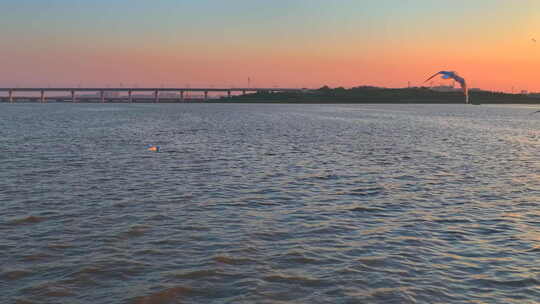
(154, 149)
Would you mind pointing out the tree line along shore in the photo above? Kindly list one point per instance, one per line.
(368, 94)
(362, 94)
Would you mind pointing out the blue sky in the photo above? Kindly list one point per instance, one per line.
(309, 36)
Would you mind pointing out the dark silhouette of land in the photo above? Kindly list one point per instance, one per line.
(361, 94)
(369, 94)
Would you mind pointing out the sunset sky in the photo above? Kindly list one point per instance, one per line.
(293, 43)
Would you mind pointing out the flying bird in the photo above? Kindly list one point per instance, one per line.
(453, 75)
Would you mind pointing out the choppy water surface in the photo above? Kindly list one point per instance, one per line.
(269, 204)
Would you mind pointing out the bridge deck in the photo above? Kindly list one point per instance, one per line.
(67, 89)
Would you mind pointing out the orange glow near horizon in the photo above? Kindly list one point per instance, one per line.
(487, 42)
(499, 69)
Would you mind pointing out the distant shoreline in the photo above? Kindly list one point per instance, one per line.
(376, 95)
(324, 95)
(345, 101)
(271, 101)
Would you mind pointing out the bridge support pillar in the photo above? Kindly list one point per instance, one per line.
(205, 95)
(73, 97)
(243, 92)
(130, 96)
(42, 97)
(156, 96)
(102, 96)
(182, 95)
(10, 96)
(229, 94)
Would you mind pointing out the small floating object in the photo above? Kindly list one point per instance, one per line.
(153, 148)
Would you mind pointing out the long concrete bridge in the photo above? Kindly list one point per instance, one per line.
(130, 94)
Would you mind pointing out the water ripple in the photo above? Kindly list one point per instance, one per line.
(269, 204)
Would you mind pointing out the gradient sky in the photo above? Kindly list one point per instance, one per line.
(286, 43)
